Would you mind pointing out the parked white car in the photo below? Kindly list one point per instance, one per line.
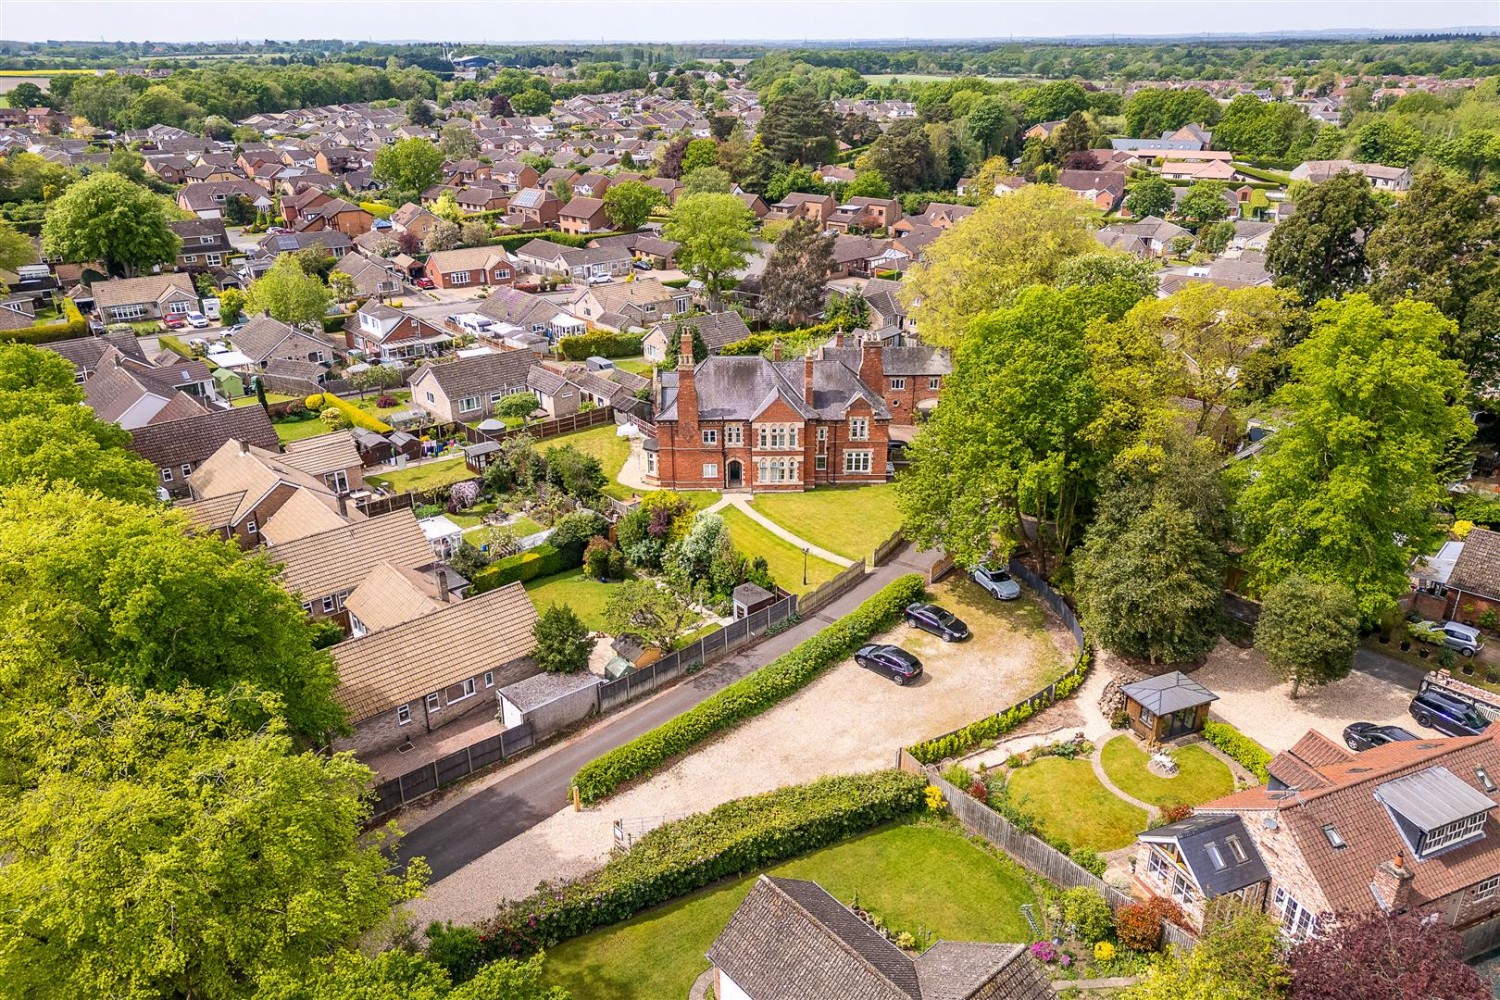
(197, 320)
(997, 582)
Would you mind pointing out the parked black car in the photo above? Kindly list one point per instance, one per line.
(1447, 714)
(895, 662)
(939, 621)
(1364, 735)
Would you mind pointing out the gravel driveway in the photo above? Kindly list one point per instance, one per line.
(850, 719)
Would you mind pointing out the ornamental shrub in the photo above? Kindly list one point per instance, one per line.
(601, 345)
(678, 857)
(1138, 925)
(1089, 913)
(1104, 952)
(750, 695)
(356, 416)
(314, 402)
(1090, 861)
(544, 560)
(1237, 745)
(992, 726)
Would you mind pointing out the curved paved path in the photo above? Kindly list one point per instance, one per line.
(1094, 761)
(741, 502)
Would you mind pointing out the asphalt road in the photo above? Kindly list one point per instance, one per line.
(1390, 669)
(531, 792)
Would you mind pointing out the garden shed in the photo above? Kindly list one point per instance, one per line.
(750, 598)
(1166, 707)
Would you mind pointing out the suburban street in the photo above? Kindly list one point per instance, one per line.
(527, 794)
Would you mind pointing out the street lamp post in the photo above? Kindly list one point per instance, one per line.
(804, 566)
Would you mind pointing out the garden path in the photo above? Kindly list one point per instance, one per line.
(1095, 761)
(741, 502)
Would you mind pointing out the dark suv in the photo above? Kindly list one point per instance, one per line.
(1447, 714)
(893, 661)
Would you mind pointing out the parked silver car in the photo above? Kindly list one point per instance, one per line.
(1466, 639)
(996, 581)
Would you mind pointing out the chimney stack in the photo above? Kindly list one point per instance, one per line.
(1392, 885)
(776, 349)
(343, 499)
(442, 576)
(807, 377)
(244, 447)
(838, 338)
(685, 349)
(871, 368)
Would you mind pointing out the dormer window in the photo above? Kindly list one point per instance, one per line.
(1435, 811)
(1484, 779)
(1331, 834)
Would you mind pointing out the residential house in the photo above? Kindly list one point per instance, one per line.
(1149, 236)
(482, 199)
(668, 186)
(512, 307)
(866, 214)
(583, 215)
(534, 208)
(790, 940)
(909, 379)
(556, 395)
(334, 458)
(241, 488)
(716, 329)
(628, 305)
(204, 244)
(431, 663)
(471, 267)
(1103, 189)
(755, 203)
(87, 353)
(590, 186)
(334, 242)
(322, 568)
(208, 200)
(336, 215)
(1207, 864)
(134, 393)
(177, 447)
(373, 277)
(767, 424)
(818, 208)
(383, 334)
(121, 300)
(469, 389)
(861, 256)
(1473, 585)
(510, 176)
(1382, 177)
(545, 257)
(412, 218)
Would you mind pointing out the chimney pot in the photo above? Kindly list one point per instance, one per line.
(776, 349)
(685, 350)
(244, 447)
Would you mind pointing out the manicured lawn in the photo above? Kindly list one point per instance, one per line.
(271, 397)
(913, 877)
(403, 401)
(604, 444)
(298, 430)
(1200, 775)
(784, 558)
(424, 477)
(849, 521)
(1074, 806)
(585, 595)
(636, 366)
(702, 499)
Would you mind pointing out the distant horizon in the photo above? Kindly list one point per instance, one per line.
(771, 23)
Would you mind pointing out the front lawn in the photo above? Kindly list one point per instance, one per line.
(849, 521)
(442, 472)
(604, 444)
(1200, 775)
(368, 403)
(914, 877)
(579, 591)
(784, 558)
(299, 430)
(1073, 806)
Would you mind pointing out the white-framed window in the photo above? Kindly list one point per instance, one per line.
(857, 461)
(179, 307)
(489, 678)
(859, 428)
(458, 278)
(778, 470)
(251, 527)
(1297, 921)
(467, 687)
(495, 398)
(207, 240)
(329, 604)
(468, 404)
(1452, 833)
(710, 470)
(1237, 849)
(430, 398)
(776, 435)
(822, 434)
(710, 436)
(403, 714)
(214, 259)
(820, 462)
(434, 703)
(338, 481)
(135, 311)
(166, 475)
(307, 606)
(1486, 889)
(501, 274)
(651, 462)
(734, 434)
(190, 258)
(935, 382)
(898, 383)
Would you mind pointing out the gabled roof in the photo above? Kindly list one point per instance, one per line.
(242, 468)
(193, 439)
(1202, 845)
(740, 388)
(1171, 692)
(303, 514)
(322, 454)
(339, 560)
(1477, 569)
(157, 288)
(480, 373)
(391, 596)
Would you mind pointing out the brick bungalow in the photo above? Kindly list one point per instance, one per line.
(471, 267)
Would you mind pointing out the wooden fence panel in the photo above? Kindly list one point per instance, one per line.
(396, 792)
(825, 593)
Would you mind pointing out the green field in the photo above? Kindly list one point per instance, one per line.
(604, 444)
(784, 558)
(1200, 775)
(424, 477)
(585, 595)
(1073, 806)
(915, 878)
(849, 521)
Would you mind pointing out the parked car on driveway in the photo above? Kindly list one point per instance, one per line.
(197, 320)
(599, 279)
(997, 582)
(893, 661)
(939, 621)
(1364, 735)
(1445, 713)
(425, 282)
(174, 321)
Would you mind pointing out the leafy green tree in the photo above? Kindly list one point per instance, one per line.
(657, 614)
(48, 438)
(1252, 127)
(787, 179)
(1010, 444)
(27, 95)
(443, 235)
(1203, 203)
(798, 125)
(674, 344)
(378, 377)
(1112, 280)
(15, 249)
(1239, 959)
(124, 594)
(156, 847)
(699, 153)
(1215, 237)
(904, 157)
(993, 125)
(289, 294)
(705, 180)
(400, 975)
(532, 101)
(412, 165)
(713, 236)
(630, 203)
(574, 472)
(1149, 112)
(868, 184)
(1150, 575)
(517, 405)
(1345, 489)
(458, 140)
(1441, 244)
(1388, 140)
(796, 274)
(1056, 100)
(231, 306)
(1006, 245)
(1308, 631)
(1320, 250)
(106, 217)
(562, 642)
(419, 111)
(100, 99)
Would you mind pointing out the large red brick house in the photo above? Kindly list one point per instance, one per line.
(769, 425)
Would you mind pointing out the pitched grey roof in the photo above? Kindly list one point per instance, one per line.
(194, 439)
(1169, 693)
(1201, 842)
(739, 388)
(482, 373)
(716, 329)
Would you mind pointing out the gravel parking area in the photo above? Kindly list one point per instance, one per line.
(1255, 701)
(850, 719)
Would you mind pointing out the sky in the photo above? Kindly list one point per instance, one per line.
(462, 21)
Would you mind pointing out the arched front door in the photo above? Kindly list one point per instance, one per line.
(736, 473)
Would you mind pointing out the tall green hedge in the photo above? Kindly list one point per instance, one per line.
(357, 417)
(1237, 745)
(45, 334)
(676, 858)
(784, 676)
(600, 344)
(991, 727)
(544, 560)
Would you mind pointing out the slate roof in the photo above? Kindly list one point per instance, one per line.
(194, 439)
(959, 970)
(1477, 569)
(739, 388)
(916, 360)
(716, 329)
(479, 374)
(398, 665)
(1194, 836)
(1169, 693)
